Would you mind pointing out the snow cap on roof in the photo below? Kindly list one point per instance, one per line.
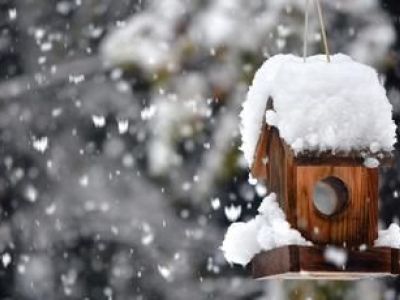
(318, 106)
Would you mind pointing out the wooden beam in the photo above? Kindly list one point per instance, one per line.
(301, 262)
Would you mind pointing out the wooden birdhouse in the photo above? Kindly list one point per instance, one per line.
(318, 149)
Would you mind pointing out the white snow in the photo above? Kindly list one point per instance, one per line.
(76, 78)
(84, 180)
(12, 14)
(232, 212)
(49, 210)
(266, 231)
(215, 203)
(31, 193)
(261, 190)
(389, 237)
(40, 144)
(336, 256)
(148, 112)
(371, 162)
(165, 272)
(98, 121)
(338, 106)
(123, 126)
(6, 259)
(240, 243)
(145, 41)
(147, 238)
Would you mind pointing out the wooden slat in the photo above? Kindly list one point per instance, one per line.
(356, 224)
(274, 262)
(276, 169)
(309, 262)
(261, 156)
(258, 169)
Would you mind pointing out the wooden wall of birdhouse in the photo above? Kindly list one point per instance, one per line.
(330, 198)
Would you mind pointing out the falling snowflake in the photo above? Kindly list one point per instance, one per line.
(215, 203)
(148, 112)
(50, 209)
(233, 213)
(123, 126)
(84, 180)
(261, 190)
(6, 259)
(21, 269)
(45, 47)
(186, 186)
(40, 144)
(147, 238)
(128, 160)
(114, 230)
(12, 14)
(31, 193)
(252, 180)
(336, 256)
(98, 121)
(76, 78)
(165, 272)
(56, 112)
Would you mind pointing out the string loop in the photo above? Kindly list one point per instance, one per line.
(317, 5)
(323, 30)
(305, 41)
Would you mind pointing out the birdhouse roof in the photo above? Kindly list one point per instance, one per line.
(318, 106)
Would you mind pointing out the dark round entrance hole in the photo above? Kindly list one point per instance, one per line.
(330, 196)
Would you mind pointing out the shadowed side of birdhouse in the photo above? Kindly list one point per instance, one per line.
(259, 167)
(274, 164)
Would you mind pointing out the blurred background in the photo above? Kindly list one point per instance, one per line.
(119, 135)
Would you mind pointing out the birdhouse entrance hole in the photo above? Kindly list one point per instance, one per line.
(330, 196)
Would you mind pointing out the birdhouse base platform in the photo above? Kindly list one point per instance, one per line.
(303, 262)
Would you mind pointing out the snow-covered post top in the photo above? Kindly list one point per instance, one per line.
(340, 106)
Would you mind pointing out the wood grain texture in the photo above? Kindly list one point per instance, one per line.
(357, 224)
(275, 168)
(258, 169)
(294, 186)
(293, 178)
(309, 263)
(281, 174)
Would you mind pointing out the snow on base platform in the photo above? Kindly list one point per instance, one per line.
(266, 231)
(389, 237)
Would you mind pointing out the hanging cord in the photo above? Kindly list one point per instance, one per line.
(323, 30)
(305, 41)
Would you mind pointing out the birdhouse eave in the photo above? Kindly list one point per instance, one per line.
(312, 158)
(351, 158)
